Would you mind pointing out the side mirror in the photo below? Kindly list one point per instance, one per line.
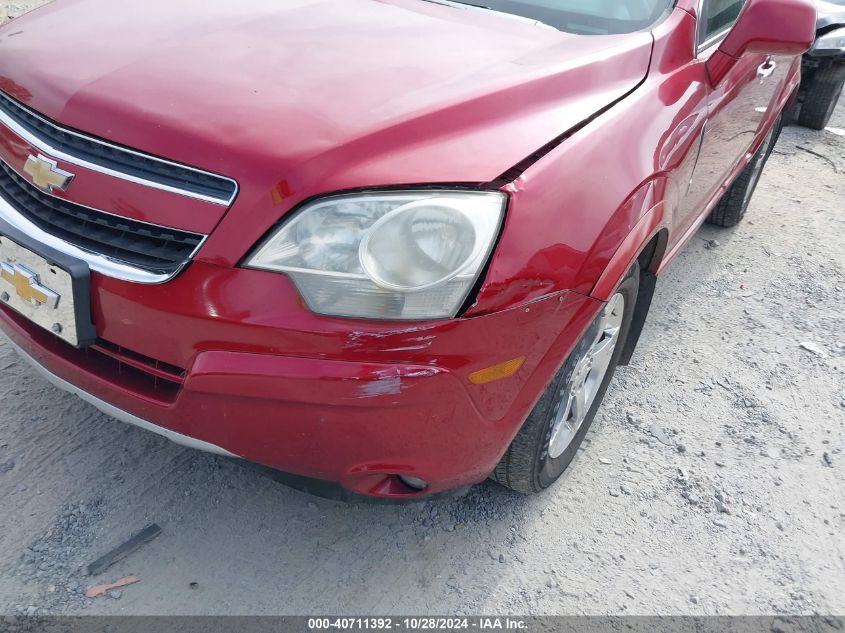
(776, 27)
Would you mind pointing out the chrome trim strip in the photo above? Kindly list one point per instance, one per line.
(43, 146)
(113, 411)
(95, 261)
(713, 39)
(85, 206)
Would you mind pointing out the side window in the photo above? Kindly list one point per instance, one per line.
(717, 17)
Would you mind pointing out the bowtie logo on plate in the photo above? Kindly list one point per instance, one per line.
(27, 285)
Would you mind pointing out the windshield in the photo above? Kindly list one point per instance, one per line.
(587, 17)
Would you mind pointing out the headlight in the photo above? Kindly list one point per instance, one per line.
(832, 42)
(408, 255)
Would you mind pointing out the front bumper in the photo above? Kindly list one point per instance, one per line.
(349, 402)
(108, 409)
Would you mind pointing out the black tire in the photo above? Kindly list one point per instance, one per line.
(526, 466)
(821, 97)
(734, 203)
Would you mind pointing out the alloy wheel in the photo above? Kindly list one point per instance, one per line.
(580, 391)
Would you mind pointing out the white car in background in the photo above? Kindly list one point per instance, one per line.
(823, 69)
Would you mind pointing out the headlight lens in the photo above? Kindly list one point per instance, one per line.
(393, 256)
(832, 41)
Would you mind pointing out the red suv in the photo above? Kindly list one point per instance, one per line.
(393, 247)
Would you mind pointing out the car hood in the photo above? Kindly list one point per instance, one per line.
(322, 94)
(829, 13)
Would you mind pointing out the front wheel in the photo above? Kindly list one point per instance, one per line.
(551, 436)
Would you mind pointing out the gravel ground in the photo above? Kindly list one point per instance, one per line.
(713, 483)
(10, 10)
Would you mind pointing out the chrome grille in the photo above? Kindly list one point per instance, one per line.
(66, 144)
(152, 248)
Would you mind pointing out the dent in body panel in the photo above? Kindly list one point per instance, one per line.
(572, 209)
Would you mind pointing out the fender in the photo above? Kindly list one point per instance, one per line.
(645, 245)
(650, 225)
(572, 209)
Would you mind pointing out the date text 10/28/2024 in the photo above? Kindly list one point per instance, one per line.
(417, 624)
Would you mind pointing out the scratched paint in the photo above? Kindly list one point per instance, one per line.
(385, 385)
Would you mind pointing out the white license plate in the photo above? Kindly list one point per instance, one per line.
(38, 290)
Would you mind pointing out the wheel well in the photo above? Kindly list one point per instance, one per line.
(652, 254)
(649, 261)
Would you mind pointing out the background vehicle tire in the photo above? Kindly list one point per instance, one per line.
(822, 96)
(551, 436)
(732, 207)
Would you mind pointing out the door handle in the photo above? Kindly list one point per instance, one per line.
(765, 70)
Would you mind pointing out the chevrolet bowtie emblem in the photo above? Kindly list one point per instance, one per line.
(46, 175)
(28, 286)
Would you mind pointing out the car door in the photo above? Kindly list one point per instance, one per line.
(737, 108)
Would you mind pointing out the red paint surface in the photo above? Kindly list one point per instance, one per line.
(295, 101)
(314, 397)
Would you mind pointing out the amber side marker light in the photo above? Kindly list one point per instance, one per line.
(497, 372)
